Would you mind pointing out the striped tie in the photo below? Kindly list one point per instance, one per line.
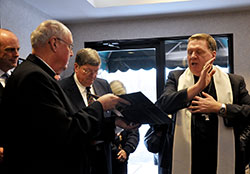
(90, 98)
(5, 76)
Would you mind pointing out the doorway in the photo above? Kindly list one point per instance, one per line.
(136, 78)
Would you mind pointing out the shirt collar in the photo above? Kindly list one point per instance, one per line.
(2, 72)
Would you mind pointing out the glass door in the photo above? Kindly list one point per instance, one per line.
(135, 68)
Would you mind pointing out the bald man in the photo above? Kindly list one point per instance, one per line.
(9, 53)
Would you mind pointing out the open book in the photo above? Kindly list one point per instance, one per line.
(142, 110)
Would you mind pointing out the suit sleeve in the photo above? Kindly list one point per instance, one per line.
(241, 97)
(172, 100)
(132, 141)
(108, 124)
(53, 111)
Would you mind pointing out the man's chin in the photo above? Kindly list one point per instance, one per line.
(195, 72)
(90, 82)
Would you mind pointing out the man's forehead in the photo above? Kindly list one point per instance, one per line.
(90, 66)
(197, 43)
(198, 40)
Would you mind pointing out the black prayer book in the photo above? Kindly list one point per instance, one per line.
(142, 110)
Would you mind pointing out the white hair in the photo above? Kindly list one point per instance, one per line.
(46, 30)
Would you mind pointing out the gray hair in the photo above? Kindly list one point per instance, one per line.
(46, 30)
(87, 56)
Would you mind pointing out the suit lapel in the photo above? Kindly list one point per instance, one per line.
(1, 91)
(99, 88)
(75, 94)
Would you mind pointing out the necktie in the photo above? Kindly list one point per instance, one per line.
(90, 98)
(5, 76)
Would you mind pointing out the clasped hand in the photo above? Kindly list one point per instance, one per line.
(204, 105)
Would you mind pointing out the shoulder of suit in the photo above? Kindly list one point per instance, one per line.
(101, 80)
(176, 73)
(236, 78)
(66, 81)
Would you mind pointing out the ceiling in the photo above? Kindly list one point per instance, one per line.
(70, 11)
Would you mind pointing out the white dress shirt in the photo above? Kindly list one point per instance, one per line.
(83, 90)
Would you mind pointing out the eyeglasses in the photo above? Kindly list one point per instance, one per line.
(71, 46)
(87, 71)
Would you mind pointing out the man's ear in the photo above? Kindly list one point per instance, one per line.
(53, 44)
(214, 54)
(76, 66)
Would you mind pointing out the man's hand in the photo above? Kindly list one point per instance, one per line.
(206, 74)
(122, 155)
(204, 105)
(204, 80)
(109, 101)
(1, 154)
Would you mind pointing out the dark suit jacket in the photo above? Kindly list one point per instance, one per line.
(101, 87)
(1, 92)
(128, 141)
(237, 113)
(42, 132)
(68, 84)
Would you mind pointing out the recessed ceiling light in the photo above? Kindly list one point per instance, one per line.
(111, 3)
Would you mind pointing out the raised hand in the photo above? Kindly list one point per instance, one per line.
(206, 74)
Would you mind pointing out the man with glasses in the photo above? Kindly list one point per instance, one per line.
(87, 64)
(42, 131)
(69, 45)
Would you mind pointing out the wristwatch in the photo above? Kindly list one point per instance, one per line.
(222, 110)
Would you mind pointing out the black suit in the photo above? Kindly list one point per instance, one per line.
(100, 161)
(238, 113)
(128, 140)
(1, 94)
(42, 132)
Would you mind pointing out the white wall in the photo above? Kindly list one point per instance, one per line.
(22, 19)
(219, 23)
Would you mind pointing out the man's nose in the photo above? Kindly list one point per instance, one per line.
(193, 55)
(16, 53)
